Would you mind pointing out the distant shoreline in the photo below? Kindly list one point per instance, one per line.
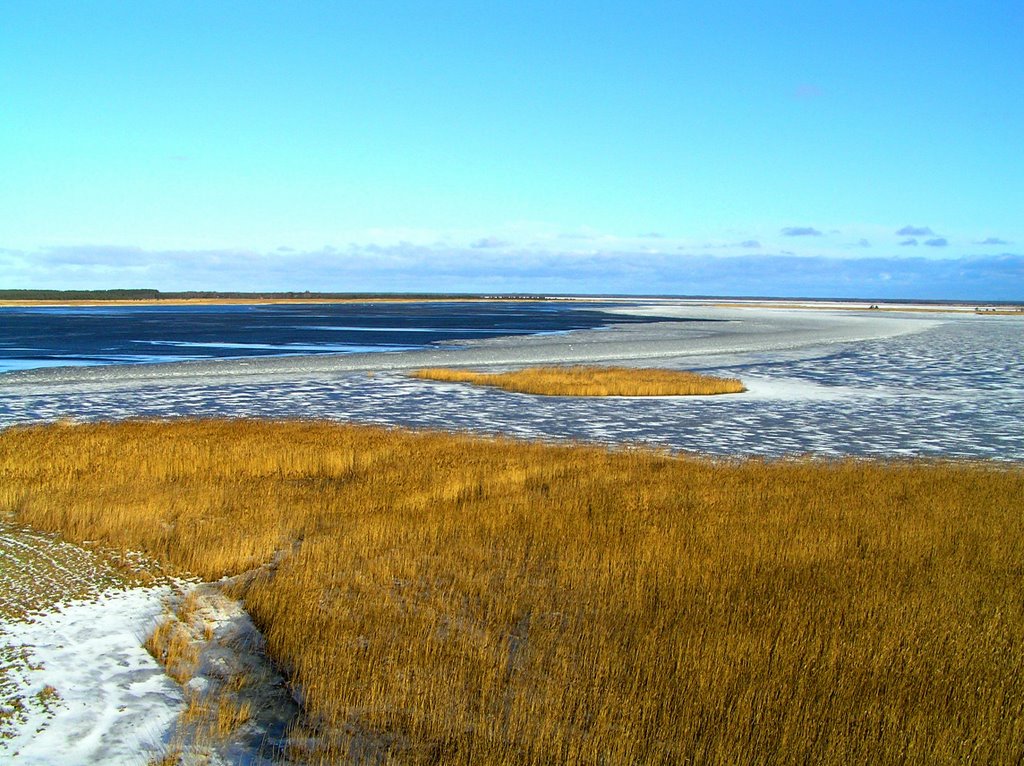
(28, 298)
(241, 301)
(146, 297)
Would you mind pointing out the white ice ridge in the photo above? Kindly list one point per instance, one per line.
(94, 695)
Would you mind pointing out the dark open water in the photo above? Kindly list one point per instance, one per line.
(61, 336)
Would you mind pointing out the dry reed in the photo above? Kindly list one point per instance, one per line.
(444, 599)
(591, 381)
(171, 646)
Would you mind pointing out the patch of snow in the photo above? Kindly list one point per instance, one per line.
(92, 694)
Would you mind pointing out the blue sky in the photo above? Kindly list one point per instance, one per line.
(736, 148)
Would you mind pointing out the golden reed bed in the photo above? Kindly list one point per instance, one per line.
(446, 599)
(591, 381)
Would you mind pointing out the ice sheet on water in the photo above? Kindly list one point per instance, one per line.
(822, 384)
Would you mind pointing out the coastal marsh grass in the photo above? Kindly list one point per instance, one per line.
(171, 646)
(439, 598)
(216, 680)
(583, 380)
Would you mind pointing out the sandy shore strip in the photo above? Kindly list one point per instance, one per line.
(719, 336)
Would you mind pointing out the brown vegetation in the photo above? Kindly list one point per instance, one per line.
(186, 644)
(445, 599)
(172, 646)
(591, 381)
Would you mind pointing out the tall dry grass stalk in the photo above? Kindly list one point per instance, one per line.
(591, 381)
(445, 599)
(171, 646)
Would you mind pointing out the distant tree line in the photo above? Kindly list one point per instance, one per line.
(156, 295)
(79, 295)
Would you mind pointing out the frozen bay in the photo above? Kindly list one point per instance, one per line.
(823, 382)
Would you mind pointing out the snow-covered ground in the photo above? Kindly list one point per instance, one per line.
(77, 686)
(88, 692)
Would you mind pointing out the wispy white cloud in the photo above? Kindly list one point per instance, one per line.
(410, 267)
(747, 244)
(485, 243)
(915, 231)
(801, 231)
(844, 240)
